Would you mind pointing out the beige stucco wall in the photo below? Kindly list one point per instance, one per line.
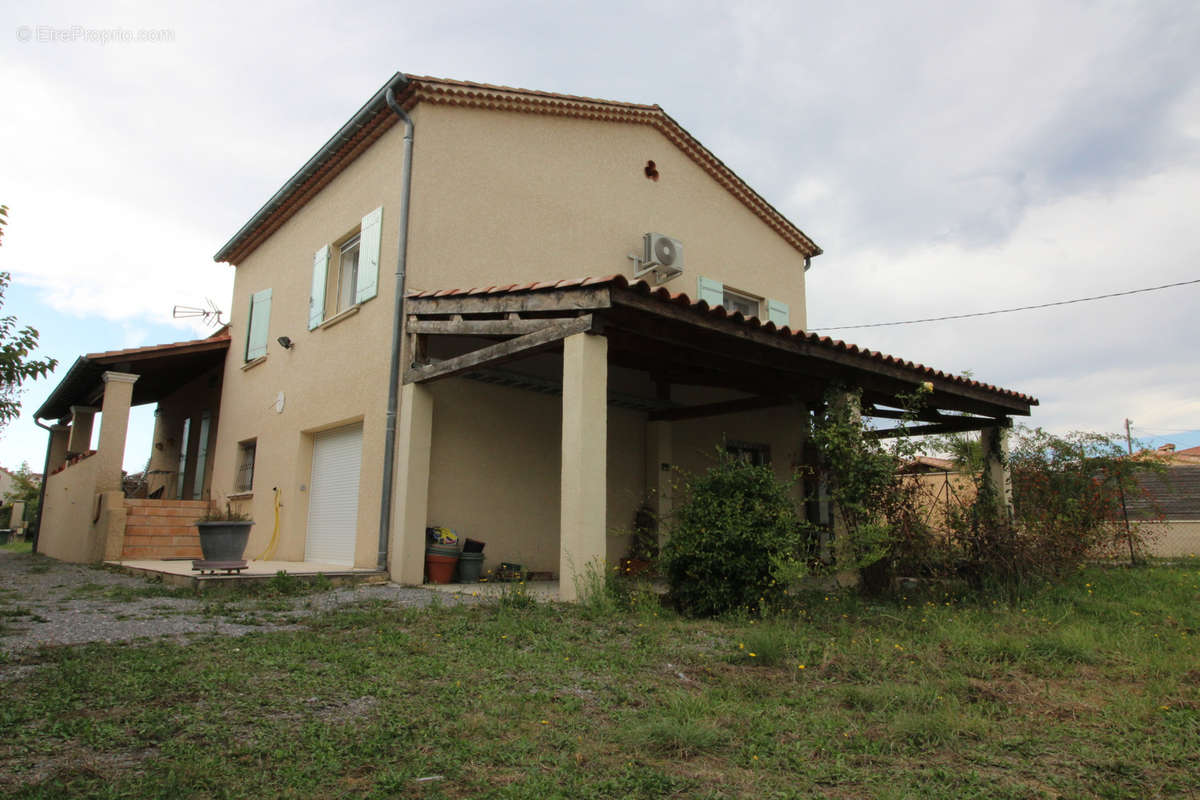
(496, 455)
(498, 197)
(501, 197)
(66, 532)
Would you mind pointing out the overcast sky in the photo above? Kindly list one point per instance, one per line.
(949, 157)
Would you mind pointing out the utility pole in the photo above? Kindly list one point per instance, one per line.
(1121, 487)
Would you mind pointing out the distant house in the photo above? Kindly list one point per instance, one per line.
(7, 483)
(1168, 506)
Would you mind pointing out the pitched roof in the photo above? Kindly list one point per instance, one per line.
(375, 118)
(662, 294)
(218, 341)
(1174, 493)
(158, 366)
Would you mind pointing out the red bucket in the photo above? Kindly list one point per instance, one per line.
(440, 568)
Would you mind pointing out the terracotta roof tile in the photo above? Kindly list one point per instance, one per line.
(662, 294)
(222, 336)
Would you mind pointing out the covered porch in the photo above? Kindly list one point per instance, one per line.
(89, 512)
(583, 400)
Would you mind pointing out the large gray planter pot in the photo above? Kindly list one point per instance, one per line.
(224, 541)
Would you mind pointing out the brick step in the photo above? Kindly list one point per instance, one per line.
(134, 529)
(160, 553)
(142, 503)
(160, 522)
(147, 539)
(145, 511)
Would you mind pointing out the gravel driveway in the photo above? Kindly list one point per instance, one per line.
(44, 602)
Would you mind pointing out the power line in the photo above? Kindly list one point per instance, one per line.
(1005, 310)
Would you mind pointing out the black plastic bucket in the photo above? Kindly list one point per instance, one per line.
(469, 566)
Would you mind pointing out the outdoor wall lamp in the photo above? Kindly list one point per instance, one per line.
(286, 342)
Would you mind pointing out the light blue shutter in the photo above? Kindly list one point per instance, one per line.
(368, 256)
(316, 297)
(712, 292)
(777, 312)
(260, 318)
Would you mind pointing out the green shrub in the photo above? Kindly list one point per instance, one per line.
(736, 518)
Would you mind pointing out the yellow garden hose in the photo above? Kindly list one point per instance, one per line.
(274, 534)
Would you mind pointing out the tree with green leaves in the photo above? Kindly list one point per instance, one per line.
(16, 347)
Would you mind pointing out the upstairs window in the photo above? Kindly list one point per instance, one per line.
(257, 327)
(737, 301)
(353, 279)
(347, 273)
(716, 293)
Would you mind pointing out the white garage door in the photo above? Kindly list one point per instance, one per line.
(333, 496)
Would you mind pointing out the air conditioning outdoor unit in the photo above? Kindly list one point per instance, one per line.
(661, 256)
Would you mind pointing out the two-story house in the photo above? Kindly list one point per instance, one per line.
(439, 321)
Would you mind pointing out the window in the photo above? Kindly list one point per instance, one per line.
(716, 293)
(758, 455)
(256, 330)
(347, 273)
(354, 279)
(244, 480)
(736, 301)
(201, 456)
(183, 455)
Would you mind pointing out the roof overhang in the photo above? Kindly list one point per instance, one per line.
(678, 341)
(374, 119)
(161, 369)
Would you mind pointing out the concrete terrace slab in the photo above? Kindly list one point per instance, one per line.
(539, 590)
(180, 572)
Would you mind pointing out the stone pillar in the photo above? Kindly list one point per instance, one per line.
(81, 429)
(114, 423)
(410, 511)
(995, 466)
(60, 436)
(17, 520)
(584, 488)
(659, 473)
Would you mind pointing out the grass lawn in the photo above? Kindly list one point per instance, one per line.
(1091, 689)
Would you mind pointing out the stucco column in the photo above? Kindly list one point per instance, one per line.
(583, 504)
(17, 520)
(81, 429)
(414, 443)
(164, 456)
(659, 473)
(60, 435)
(995, 466)
(114, 423)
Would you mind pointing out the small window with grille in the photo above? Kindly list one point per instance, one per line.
(244, 481)
(753, 453)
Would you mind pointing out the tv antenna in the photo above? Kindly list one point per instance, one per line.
(210, 315)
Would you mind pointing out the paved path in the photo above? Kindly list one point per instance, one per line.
(44, 602)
